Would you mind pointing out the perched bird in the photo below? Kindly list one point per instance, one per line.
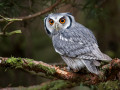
(75, 43)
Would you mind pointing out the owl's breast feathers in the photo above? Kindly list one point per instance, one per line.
(77, 41)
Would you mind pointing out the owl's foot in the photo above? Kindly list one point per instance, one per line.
(75, 70)
(69, 69)
(66, 69)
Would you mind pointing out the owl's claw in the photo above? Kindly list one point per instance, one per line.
(75, 70)
(69, 69)
(66, 69)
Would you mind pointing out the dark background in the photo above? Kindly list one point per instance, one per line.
(101, 16)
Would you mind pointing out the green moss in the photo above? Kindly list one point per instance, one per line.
(40, 66)
(15, 62)
(109, 85)
(18, 63)
(30, 62)
(47, 69)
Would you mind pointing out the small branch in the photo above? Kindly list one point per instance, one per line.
(33, 15)
(4, 29)
(9, 19)
(9, 22)
(10, 33)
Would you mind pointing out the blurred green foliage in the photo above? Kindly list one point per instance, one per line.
(101, 16)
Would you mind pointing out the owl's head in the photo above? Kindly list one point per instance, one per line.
(55, 22)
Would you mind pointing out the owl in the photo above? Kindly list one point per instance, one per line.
(75, 43)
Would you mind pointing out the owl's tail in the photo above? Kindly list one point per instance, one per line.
(106, 57)
(90, 66)
(100, 55)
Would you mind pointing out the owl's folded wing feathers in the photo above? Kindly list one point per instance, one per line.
(78, 42)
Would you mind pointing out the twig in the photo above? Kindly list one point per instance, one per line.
(33, 15)
(10, 33)
(9, 19)
(4, 29)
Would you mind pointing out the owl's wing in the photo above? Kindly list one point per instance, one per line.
(78, 41)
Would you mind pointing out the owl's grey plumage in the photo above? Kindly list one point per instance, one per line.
(74, 42)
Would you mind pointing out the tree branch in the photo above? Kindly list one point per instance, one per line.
(33, 15)
(109, 71)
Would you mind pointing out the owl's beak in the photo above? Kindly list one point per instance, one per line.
(56, 27)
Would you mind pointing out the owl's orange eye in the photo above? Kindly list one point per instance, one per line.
(62, 20)
(51, 22)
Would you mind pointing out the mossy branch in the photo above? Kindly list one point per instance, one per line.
(108, 72)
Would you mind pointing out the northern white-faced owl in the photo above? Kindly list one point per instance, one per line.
(75, 43)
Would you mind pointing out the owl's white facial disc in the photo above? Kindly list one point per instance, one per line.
(56, 22)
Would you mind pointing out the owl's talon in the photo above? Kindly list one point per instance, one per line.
(69, 69)
(66, 69)
(75, 70)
